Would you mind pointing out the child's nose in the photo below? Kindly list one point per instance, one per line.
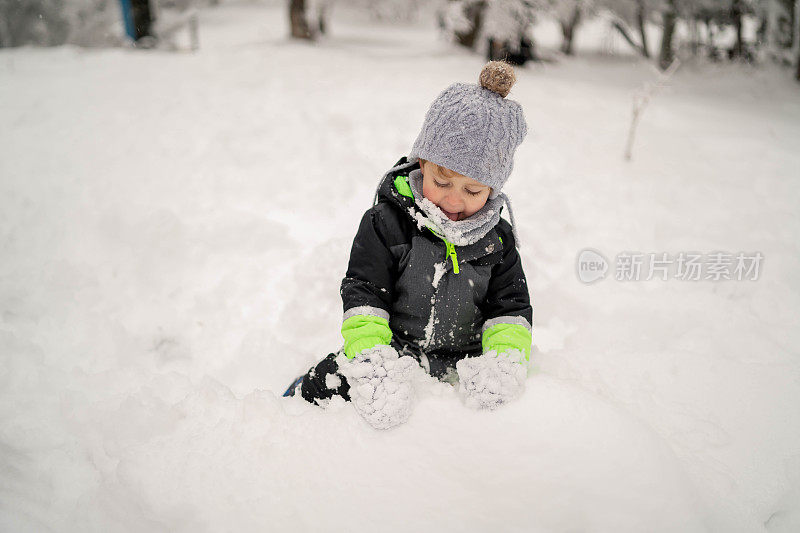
(455, 200)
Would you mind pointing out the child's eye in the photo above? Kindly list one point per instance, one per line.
(440, 184)
(472, 193)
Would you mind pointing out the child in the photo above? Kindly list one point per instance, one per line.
(434, 277)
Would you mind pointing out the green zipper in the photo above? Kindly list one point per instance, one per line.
(451, 251)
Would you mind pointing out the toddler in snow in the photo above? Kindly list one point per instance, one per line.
(434, 278)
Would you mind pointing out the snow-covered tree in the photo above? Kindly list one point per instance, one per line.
(506, 20)
(636, 13)
(507, 27)
(32, 22)
(55, 22)
(569, 15)
(394, 10)
(628, 14)
(776, 29)
(462, 20)
(667, 13)
(720, 13)
(780, 31)
(498, 28)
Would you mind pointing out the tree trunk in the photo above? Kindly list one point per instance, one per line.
(667, 54)
(5, 34)
(474, 13)
(297, 20)
(142, 19)
(641, 19)
(568, 30)
(736, 15)
(623, 30)
(796, 39)
(770, 29)
(322, 19)
(695, 32)
(797, 70)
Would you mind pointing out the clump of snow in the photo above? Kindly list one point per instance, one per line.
(491, 379)
(459, 232)
(439, 271)
(420, 218)
(332, 381)
(455, 231)
(432, 321)
(381, 385)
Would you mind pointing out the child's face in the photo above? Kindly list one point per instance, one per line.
(455, 194)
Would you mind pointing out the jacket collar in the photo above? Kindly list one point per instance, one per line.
(387, 190)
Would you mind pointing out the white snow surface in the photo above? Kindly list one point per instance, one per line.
(175, 227)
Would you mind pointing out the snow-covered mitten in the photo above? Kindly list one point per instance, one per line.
(381, 385)
(492, 379)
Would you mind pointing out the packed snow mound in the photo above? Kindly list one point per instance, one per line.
(492, 379)
(173, 454)
(381, 385)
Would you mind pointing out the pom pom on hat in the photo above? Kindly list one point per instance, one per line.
(498, 77)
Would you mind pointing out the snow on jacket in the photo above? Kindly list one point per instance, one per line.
(410, 288)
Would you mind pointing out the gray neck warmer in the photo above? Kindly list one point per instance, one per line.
(459, 232)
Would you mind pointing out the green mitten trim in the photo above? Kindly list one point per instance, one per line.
(362, 332)
(504, 337)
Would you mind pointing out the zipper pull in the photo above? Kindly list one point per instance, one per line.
(451, 251)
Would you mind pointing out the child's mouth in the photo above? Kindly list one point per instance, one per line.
(451, 216)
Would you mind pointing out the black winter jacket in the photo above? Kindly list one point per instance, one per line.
(392, 273)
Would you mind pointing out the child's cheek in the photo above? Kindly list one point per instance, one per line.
(430, 194)
(476, 206)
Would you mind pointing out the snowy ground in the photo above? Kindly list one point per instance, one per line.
(174, 229)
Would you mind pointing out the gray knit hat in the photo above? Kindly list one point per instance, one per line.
(473, 129)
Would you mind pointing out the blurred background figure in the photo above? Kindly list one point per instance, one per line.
(138, 20)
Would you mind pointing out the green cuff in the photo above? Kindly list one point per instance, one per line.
(503, 337)
(362, 332)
